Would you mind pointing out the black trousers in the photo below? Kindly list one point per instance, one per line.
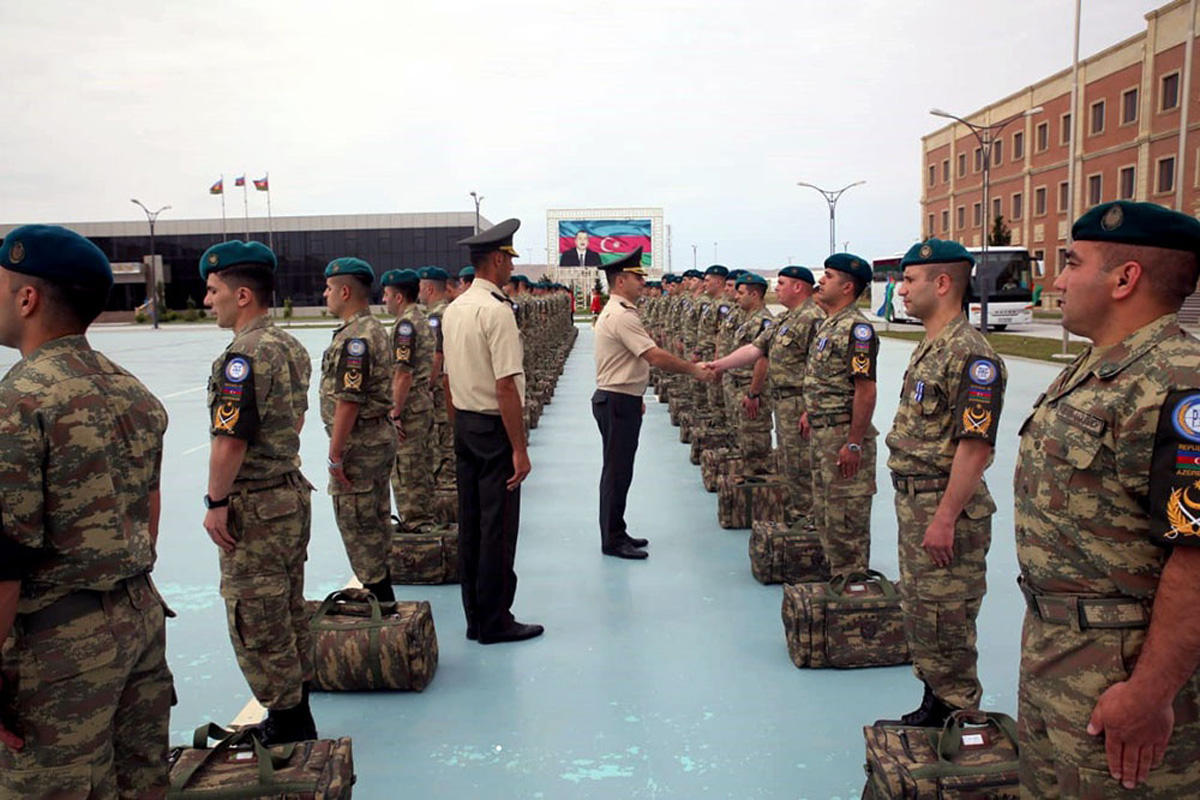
(619, 417)
(488, 518)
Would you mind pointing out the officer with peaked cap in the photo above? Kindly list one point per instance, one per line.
(1106, 495)
(81, 444)
(356, 405)
(483, 362)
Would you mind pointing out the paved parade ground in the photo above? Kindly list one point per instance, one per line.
(667, 678)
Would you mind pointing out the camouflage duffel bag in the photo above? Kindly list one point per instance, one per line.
(768, 503)
(361, 643)
(851, 621)
(687, 419)
(780, 553)
(239, 765)
(708, 439)
(737, 495)
(718, 462)
(445, 504)
(426, 557)
(974, 755)
(674, 410)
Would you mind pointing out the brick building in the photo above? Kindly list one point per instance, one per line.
(1127, 126)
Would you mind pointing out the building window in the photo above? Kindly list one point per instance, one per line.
(931, 230)
(1097, 125)
(962, 165)
(1129, 106)
(1128, 178)
(977, 215)
(997, 208)
(945, 220)
(1064, 196)
(932, 174)
(1043, 136)
(1018, 145)
(1061, 255)
(1095, 184)
(945, 170)
(1064, 133)
(1018, 203)
(1165, 177)
(1169, 91)
(960, 218)
(1039, 201)
(978, 163)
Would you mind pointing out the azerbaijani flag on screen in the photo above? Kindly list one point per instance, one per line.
(261, 185)
(611, 238)
(218, 187)
(240, 180)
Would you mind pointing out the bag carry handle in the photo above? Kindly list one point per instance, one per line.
(838, 584)
(348, 596)
(267, 760)
(949, 738)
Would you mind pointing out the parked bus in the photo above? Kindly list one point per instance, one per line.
(1010, 301)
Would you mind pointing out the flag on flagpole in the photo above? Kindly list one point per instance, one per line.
(262, 185)
(218, 187)
(240, 180)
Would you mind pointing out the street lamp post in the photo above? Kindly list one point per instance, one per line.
(986, 135)
(478, 198)
(151, 217)
(715, 259)
(693, 256)
(831, 197)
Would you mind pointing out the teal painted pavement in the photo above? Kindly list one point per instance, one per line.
(667, 678)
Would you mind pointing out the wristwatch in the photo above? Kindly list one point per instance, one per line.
(753, 395)
(210, 503)
(853, 448)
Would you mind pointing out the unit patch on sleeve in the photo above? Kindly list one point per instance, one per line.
(234, 406)
(404, 341)
(864, 348)
(436, 324)
(980, 399)
(1175, 471)
(354, 366)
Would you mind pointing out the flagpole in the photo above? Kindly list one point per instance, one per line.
(224, 232)
(246, 203)
(270, 226)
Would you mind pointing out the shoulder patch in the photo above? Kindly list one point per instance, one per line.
(1175, 471)
(405, 328)
(237, 369)
(435, 321)
(983, 371)
(1185, 417)
(356, 347)
(234, 409)
(863, 332)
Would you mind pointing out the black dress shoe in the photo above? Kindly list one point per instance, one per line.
(516, 632)
(637, 542)
(624, 550)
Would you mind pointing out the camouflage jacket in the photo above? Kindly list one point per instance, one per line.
(786, 346)
(81, 445)
(1108, 467)
(434, 314)
(708, 322)
(257, 391)
(357, 367)
(753, 324)
(844, 348)
(413, 345)
(729, 317)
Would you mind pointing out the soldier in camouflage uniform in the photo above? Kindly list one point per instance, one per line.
(839, 401)
(745, 385)
(259, 505)
(706, 321)
(85, 692)
(730, 316)
(1106, 495)
(435, 297)
(413, 344)
(356, 398)
(941, 442)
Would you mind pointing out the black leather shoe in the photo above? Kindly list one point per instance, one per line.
(516, 632)
(637, 542)
(932, 713)
(625, 550)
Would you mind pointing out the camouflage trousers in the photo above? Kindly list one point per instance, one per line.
(92, 698)
(363, 509)
(842, 506)
(721, 421)
(1063, 673)
(412, 471)
(698, 390)
(941, 604)
(262, 583)
(753, 435)
(442, 444)
(795, 456)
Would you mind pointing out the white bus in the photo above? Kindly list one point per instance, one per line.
(1010, 301)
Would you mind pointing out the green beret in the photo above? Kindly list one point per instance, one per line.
(799, 273)
(936, 251)
(399, 277)
(851, 265)
(56, 255)
(1145, 224)
(350, 266)
(748, 278)
(433, 274)
(734, 274)
(630, 262)
(497, 237)
(234, 253)
(717, 269)
(693, 273)
(467, 273)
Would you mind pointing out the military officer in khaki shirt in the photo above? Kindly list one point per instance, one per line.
(624, 355)
(484, 366)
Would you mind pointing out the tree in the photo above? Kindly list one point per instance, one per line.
(1000, 235)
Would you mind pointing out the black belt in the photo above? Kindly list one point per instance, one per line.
(1082, 613)
(828, 420)
(71, 607)
(917, 484)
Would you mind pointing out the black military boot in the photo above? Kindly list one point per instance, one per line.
(932, 713)
(382, 590)
(284, 725)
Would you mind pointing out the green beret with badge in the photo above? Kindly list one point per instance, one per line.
(56, 255)
(717, 269)
(350, 266)
(854, 266)
(693, 273)
(399, 277)
(236, 253)
(734, 274)
(936, 251)
(1144, 224)
(498, 237)
(748, 278)
(799, 273)
(467, 273)
(433, 274)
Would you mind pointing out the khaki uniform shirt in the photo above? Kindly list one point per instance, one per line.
(1108, 471)
(80, 451)
(257, 391)
(357, 367)
(482, 345)
(413, 343)
(786, 345)
(620, 342)
(844, 348)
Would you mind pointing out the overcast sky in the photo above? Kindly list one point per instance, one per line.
(711, 110)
